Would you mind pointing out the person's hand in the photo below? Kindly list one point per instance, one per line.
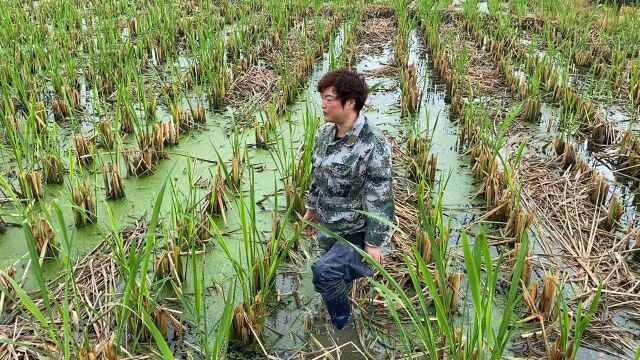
(375, 252)
(310, 216)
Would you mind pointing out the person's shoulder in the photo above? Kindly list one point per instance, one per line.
(372, 136)
(325, 129)
(324, 134)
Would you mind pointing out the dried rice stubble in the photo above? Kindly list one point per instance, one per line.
(570, 237)
(95, 278)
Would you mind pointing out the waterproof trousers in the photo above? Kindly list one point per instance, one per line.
(334, 273)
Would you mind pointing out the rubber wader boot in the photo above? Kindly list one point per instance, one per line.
(339, 309)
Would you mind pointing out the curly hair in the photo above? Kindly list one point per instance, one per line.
(348, 84)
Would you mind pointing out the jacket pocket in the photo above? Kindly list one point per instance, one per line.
(340, 179)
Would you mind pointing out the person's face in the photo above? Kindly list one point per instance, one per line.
(332, 108)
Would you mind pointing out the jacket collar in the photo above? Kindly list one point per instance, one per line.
(352, 135)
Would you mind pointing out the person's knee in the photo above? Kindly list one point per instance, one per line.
(325, 271)
(320, 270)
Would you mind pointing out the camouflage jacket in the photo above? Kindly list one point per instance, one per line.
(349, 174)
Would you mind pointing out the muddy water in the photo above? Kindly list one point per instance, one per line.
(141, 193)
(299, 301)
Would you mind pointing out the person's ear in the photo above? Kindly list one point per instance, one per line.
(351, 104)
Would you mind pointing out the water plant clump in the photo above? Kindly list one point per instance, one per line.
(113, 184)
(106, 133)
(31, 185)
(512, 219)
(256, 270)
(600, 189)
(266, 128)
(199, 114)
(190, 221)
(126, 120)
(423, 164)
(60, 109)
(83, 150)
(215, 201)
(42, 233)
(614, 213)
(410, 91)
(547, 302)
(139, 162)
(295, 162)
(84, 201)
(169, 265)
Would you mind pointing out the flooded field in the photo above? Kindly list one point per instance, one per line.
(155, 158)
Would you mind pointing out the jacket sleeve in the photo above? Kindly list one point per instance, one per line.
(378, 194)
(312, 196)
(311, 203)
